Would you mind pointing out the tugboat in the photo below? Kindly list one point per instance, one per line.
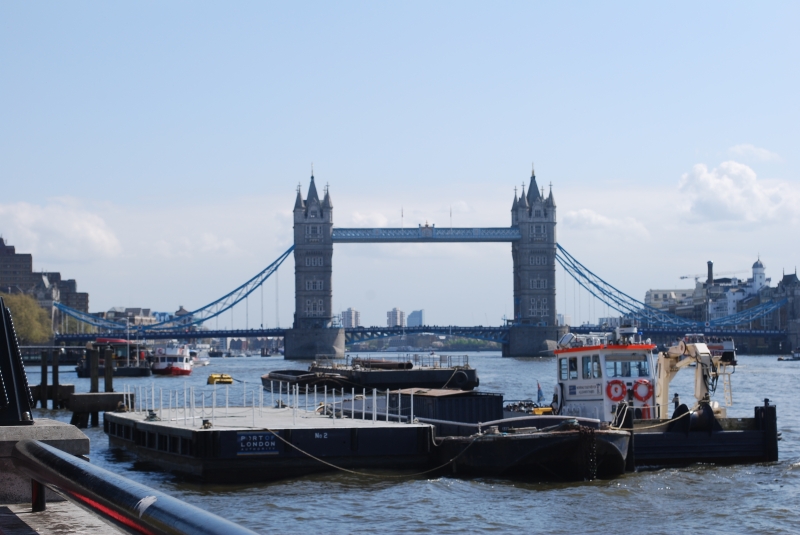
(617, 379)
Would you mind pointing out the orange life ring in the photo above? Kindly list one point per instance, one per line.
(616, 390)
(646, 383)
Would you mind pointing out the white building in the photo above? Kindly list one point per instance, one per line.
(396, 318)
(351, 318)
(416, 318)
(663, 299)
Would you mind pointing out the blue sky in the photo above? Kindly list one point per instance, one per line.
(152, 150)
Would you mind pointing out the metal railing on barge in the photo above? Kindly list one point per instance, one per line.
(129, 506)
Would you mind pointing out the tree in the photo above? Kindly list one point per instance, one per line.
(31, 321)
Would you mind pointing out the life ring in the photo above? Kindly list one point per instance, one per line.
(616, 390)
(647, 384)
(160, 351)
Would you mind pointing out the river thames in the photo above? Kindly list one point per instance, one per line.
(761, 498)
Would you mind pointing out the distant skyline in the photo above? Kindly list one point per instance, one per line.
(152, 151)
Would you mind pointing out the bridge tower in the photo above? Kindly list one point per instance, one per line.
(534, 261)
(313, 335)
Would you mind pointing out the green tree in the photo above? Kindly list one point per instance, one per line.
(31, 321)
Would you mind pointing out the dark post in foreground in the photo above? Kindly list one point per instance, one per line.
(15, 395)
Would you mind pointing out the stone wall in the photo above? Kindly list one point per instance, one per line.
(314, 344)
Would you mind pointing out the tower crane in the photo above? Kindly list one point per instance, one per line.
(697, 276)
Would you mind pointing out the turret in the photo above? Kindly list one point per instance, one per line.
(533, 190)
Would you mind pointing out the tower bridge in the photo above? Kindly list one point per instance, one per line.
(534, 252)
(532, 235)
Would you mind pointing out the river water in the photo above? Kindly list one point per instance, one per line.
(762, 498)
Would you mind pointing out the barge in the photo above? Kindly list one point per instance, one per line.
(386, 373)
(254, 445)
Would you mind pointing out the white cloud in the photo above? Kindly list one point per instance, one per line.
(733, 192)
(746, 150)
(62, 229)
(589, 220)
(369, 220)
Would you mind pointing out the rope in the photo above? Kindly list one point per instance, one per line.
(476, 437)
(652, 426)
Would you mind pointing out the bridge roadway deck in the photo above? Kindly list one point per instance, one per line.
(362, 334)
(425, 234)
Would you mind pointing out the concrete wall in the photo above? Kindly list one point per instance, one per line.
(16, 487)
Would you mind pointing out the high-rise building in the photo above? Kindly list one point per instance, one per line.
(396, 318)
(563, 319)
(416, 318)
(351, 318)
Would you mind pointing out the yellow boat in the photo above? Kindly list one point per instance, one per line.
(219, 379)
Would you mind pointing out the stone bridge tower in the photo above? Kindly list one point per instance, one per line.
(313, 335)
(534, 260)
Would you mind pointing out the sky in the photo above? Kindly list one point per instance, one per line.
(152, 150)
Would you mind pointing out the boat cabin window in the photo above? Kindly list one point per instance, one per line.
(573, 367)
(591, 367)
(629, 367)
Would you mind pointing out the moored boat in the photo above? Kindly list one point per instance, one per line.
(284, 380)
(616, 378)
(409, 371)
(174, 359)
(128, 358)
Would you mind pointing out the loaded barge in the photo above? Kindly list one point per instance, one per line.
(392, 373)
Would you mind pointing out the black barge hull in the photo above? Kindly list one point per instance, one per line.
(380, 379)
(123, 371)
(717, 441)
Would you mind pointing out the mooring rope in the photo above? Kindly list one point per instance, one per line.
(355, 472)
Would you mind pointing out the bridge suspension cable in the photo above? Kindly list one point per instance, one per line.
(205, 313)
(646, 315)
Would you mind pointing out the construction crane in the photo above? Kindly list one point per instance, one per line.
(697, 276)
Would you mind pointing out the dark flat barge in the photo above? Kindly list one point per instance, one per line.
(248, 447)
(410, 371)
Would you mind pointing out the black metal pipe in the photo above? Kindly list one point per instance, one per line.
(130, 506)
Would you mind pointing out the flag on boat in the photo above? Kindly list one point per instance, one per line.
(539, 393)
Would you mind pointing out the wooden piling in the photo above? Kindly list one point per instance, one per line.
(94, 357)
(56, 398)
(108, 359)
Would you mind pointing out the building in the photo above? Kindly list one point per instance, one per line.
(396, 318)
(534, 257)
(134, 316)
(668, 299)
(351, 318)
(17, 276)
(416, 318)
(563, 319)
